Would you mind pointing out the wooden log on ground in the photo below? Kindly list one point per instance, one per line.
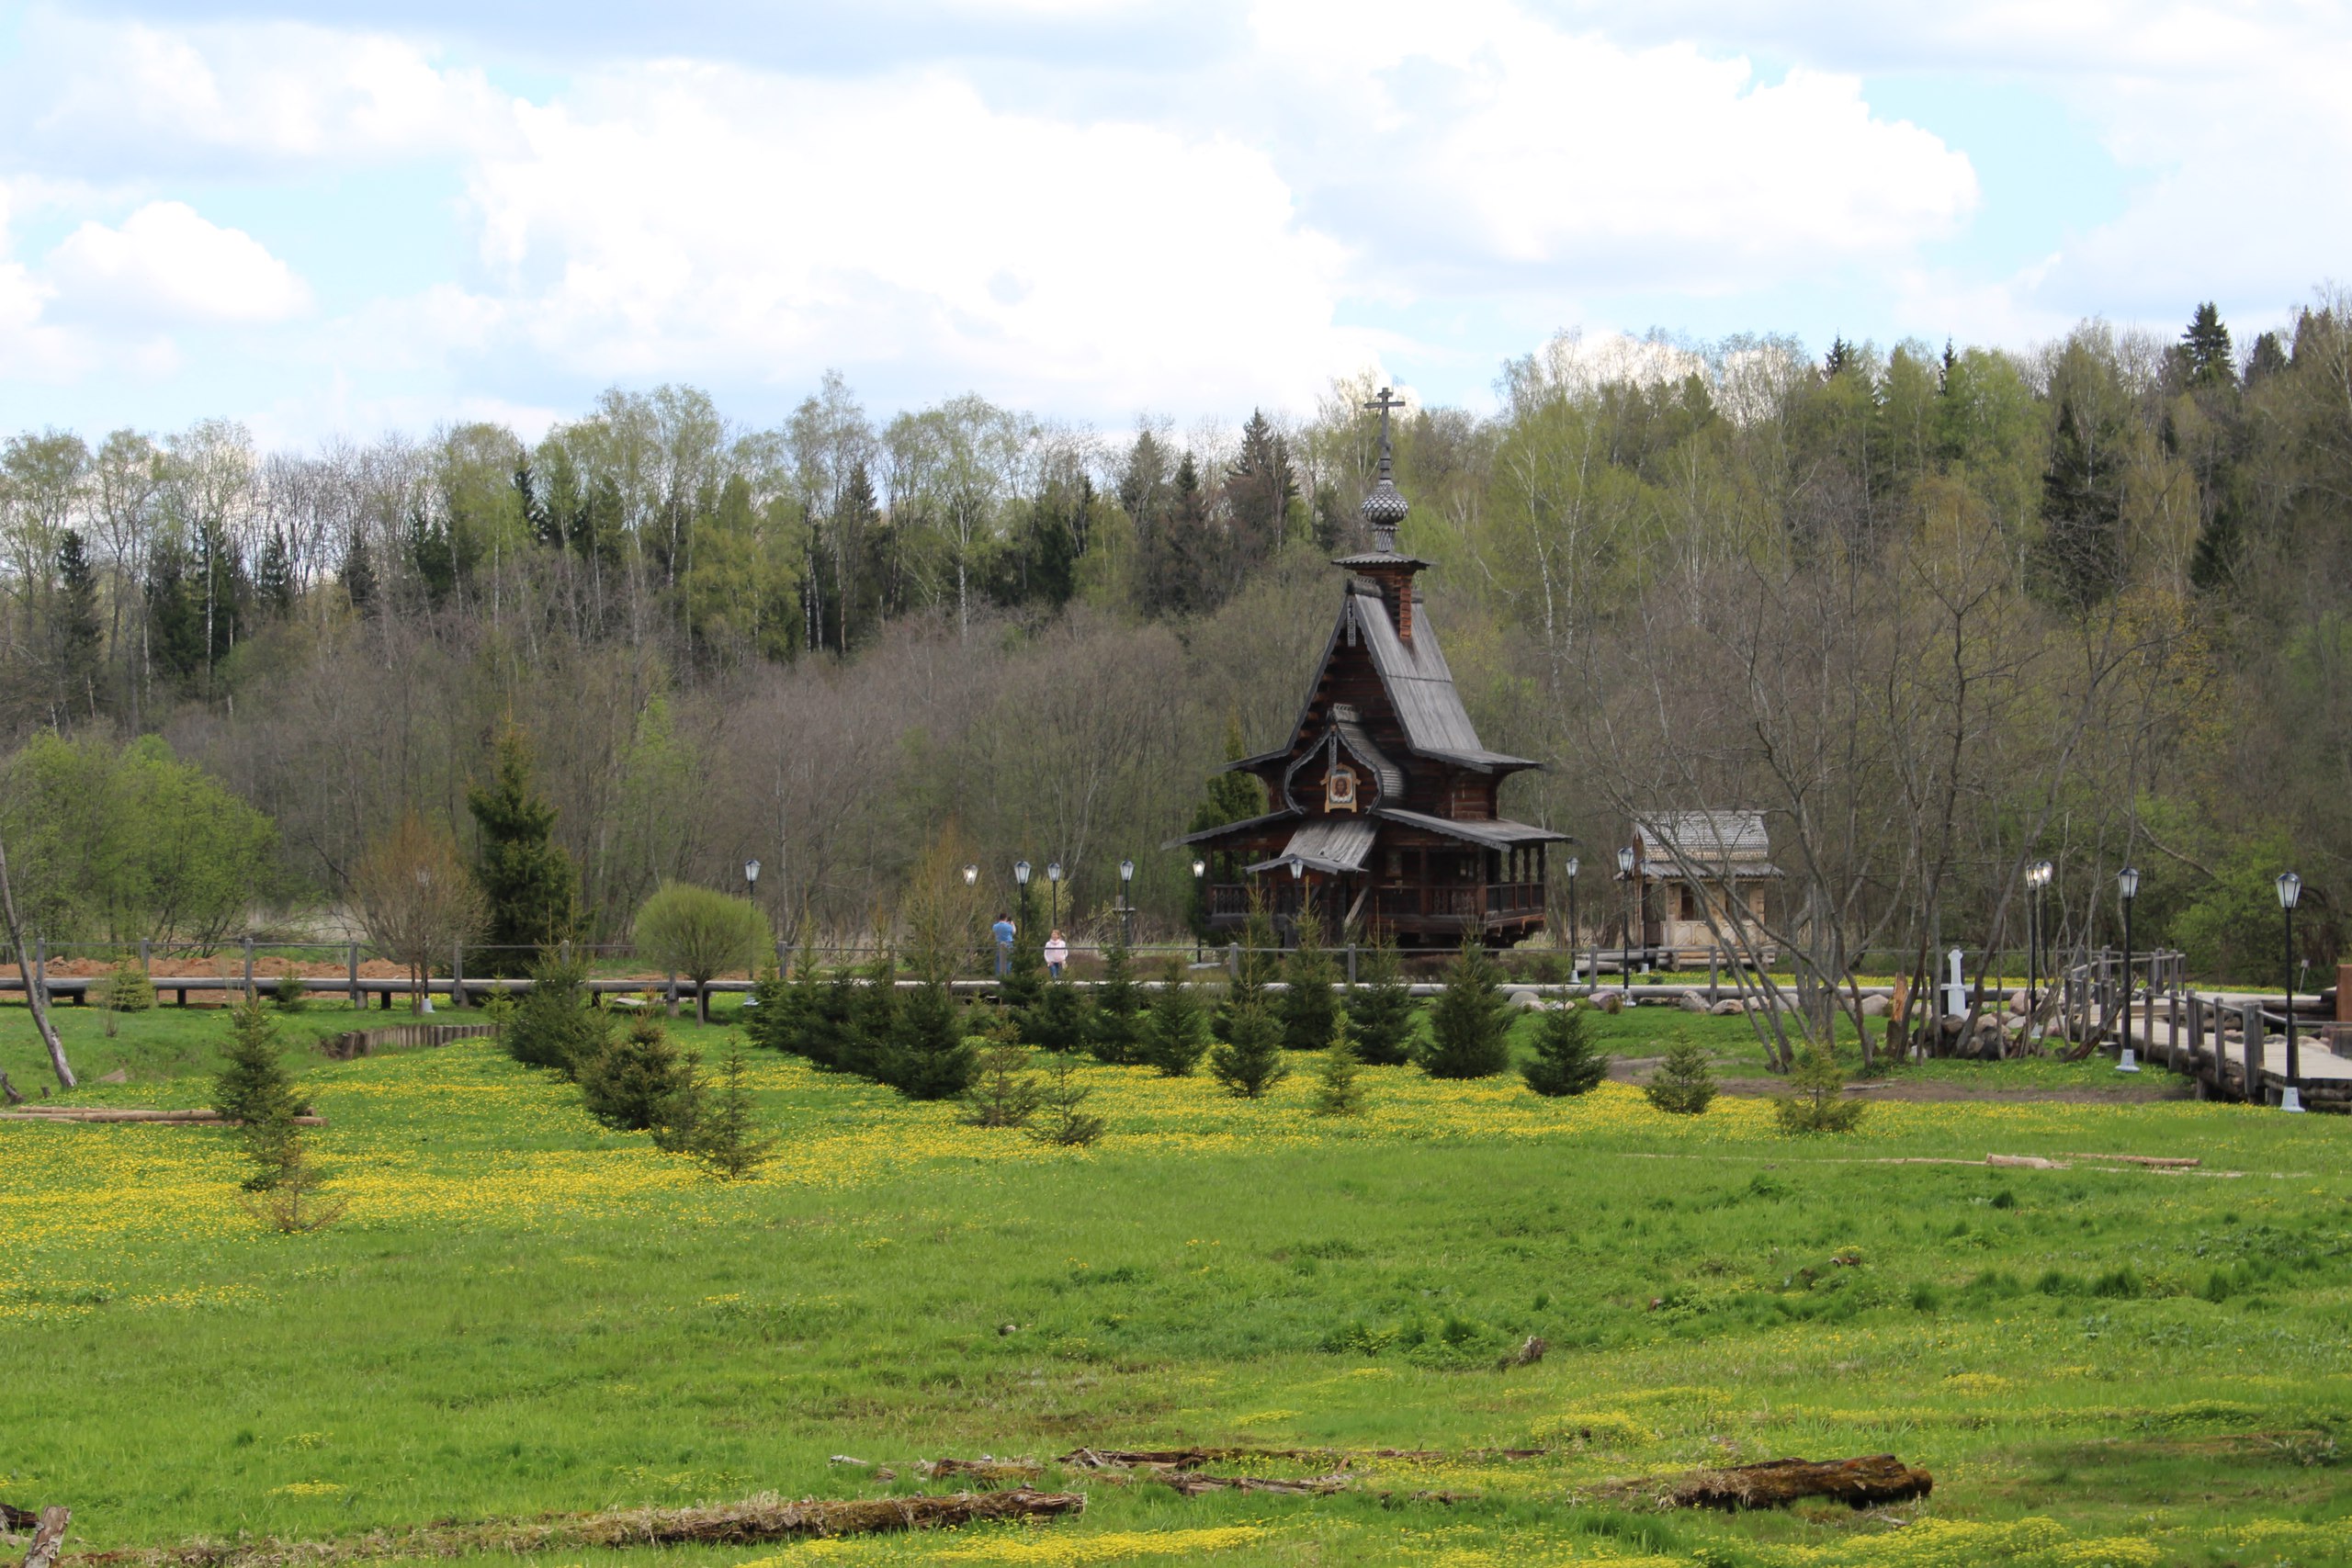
(1194, 1484)
(989, 1472)
(49, 1537)
(197, 1118)
(2160, 1162)
(1867, 1482)
(13, 1519)
(751, 1522)
(2025, 1162)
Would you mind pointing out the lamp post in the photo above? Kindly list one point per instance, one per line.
(1020, 879)
(1201, 897)
(1053, 893)
(2037, 877)
(1625, 870)
(2127, 887)
(971, 875)
(1126, 903)
(751, 880)
(1571, 869)
(2291, 892)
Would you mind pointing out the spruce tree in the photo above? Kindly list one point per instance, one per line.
(253, 1091)
(1566, 1060)
(1380, 1007)
(273, 577)
(1248, 1061)
(2206, 358)
(1683, 1085)
(642, 1082)
(553, 1026)
(78, 632)
(1058, 1021)
(1113, 1032)
(1337, 1090)
(1817, 1099)
(1024, 979)
(359, 575)
(1470, 1022)
(1175, 1033)
(826, 1028)
(526, 879)
(926, 1056)
(1309, 1008)
(729, 1139)
(2081, 552)
(873, 1018)
(1062, 1124)
(1255, 969)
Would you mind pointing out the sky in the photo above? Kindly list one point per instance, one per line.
(408, 215)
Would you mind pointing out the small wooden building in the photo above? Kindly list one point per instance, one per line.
(1386, 808)
(1690, 863)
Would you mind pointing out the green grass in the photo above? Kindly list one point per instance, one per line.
(524, 1311)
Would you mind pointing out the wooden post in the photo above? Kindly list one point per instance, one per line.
(457, 974)
(2196, 1036)
(672, 996)
(1233, 959)
(249, 968)
(40, 968)
(144, 967)
(1713, 957)
(358, 997)
(1351, 964)
(49, 1537)
(2250, 1016)
(2172, 1019)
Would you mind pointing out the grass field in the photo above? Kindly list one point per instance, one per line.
(523, 1312)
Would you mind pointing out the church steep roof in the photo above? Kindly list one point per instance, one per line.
(1419, 683)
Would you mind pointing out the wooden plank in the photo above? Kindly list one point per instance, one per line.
(49, 1537)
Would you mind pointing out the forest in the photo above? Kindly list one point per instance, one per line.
(1941, 613)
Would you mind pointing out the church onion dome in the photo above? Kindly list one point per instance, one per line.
(1385, 506)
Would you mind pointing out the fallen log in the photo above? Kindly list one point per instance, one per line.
(13, 1519)
(755, 1520)
(982, 1471)
(132, 1113)
(1866, 1483)
(49, 1537)
(2156, 1162)
(2025, 1162)
(1192, 1484)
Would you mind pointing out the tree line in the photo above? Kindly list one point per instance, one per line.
(1940, 613)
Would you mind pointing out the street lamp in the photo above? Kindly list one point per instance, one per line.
(1053, 893)
(1571, 869)
(2291, 892)
(1021, 876)
(2037, 877)
(971, 874)
(1626, 871)
(2127, 887)
(752, 877)
(1201, 899)
(1126, 903)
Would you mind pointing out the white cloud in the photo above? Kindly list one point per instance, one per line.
(168, 265)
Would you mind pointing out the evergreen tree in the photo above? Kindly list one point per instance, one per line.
(1566, 1059)
(1231, 797)
(526, 879)
(1817, 1099)
(1248, 1061)
(775, 1024)
(1683, 1085)
(1838, 360)
(359, 575)
(1175, 1033)
(553, 1026)
(1058, 1021)
(1113, 1031)
(1062, 1123)
(640, 1082)
(1024, 984)
(1309, 1006)
(2082, 507)
(2268, 358)
(1337, 1090)
(1259, 489)
(273, 577)
(873, 1019)
(253, 1089)
(78, 633)
(828, 1029)
(1255, 969)
(1380, 1007)
(175, 615)
(1004, 1092)
(727, 1139)
(2206, 358)
(927, 1056)
(1470, 1022)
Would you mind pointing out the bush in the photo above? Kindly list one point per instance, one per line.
(1380, 1008)
(926, 1056)
(1817, 1099)
(1058, 1021)
(253, 1089)
(1566, 1059)
(289, 994)
(1310, 1009)
(1175, 1034)
(701, 933)
(1024, 978)
(727, 1136)
(1062, 1122)
(1257, 965)
(1115, 1028)
(642, 1082)
(1004, 1093)
(1470, 1022)
(1337, 1092)
(1250, 1062)
(1683, 1085)
(872, 1019)
(553, 1026)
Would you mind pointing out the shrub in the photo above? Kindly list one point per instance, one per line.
(289, 993)
(1337, 1092)
(926, 1056)
(701, 933)
(1250, 1061)
(1683, 1085)
(1113, 1031)
(727, 1136)
(291, 1204)
(253, 1091)
(1254, 967)
(1004, 1092)
(1470, 1022)
(553, 1026)
(642, 1082)
(1817, 1099)
(1175, 1034)
(872, 1019)
(1566, 1061)
(1310, 1009)
(1024, 978)
(774, 1023)
(1058, 1021)
(1060, 1122)
(1380, 1008)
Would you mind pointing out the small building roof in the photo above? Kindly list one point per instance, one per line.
(1492, 833)
(1333, 845)
(1730, 841)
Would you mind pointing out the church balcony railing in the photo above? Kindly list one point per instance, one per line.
(1451, 903)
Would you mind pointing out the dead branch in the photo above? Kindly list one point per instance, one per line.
(1866, 1483)
(49, 1537)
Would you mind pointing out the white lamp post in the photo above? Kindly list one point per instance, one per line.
(2290, 893)
(2127, 887)
(1632, 905)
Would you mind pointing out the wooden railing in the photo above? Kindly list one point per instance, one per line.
(1467, 901)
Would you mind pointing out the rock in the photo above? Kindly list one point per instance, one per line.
(1609, 1001)
(1877, 1007)
(1526, 1001)
(1730, 1007)
(1691, 1001)
(2018, 1002)
(120, 1075)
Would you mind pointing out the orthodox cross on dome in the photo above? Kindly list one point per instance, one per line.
(1384, 507)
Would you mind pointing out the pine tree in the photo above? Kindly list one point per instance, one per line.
(1113, 1031)
(1175, 1033)
(1566, 1059)
(1380, 1007)
(253, 1089)
(1062, 1122)
(1024, 984)
(826, 1028)
(1309, 1008)
(78, 632)
(1683, 1085)
(273, 577)
(927, 1056)
(1817, 1099)
(1058, 1021)
(873, 1019)
(642, 1082)
(526, 879)
(1470, 1022)
(1337, 1090)
(359, 575)
(553, 1026)
(729, 1139)
(1255, 969)
(1248, 1061)
(1004, 1092)
(2207, 359)
(2082, 507)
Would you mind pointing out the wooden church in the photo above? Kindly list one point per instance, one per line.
(1386, 810)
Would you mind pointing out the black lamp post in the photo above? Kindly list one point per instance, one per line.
(751, 880)
(1571, 869)
(1632, 907)
(2127, 887)
(1053, 893)
(1126, 903)
(1020, 879)
(2291, 892)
